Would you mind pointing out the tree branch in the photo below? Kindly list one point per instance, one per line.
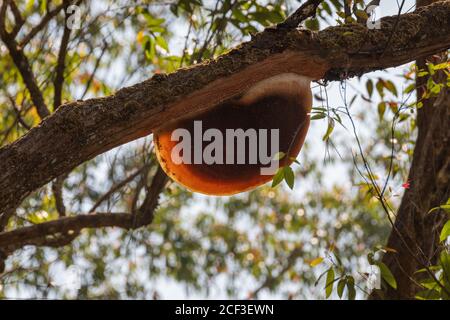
(43, 23)
(18, 113)
(47, 232)
(19, 21)
(306, 10)
(22, 64)
(117, 187)
(57, 189)
(60, 67)
(94, 71)
(62, 231)
(271, 280)
(147, 209)
(80, 130)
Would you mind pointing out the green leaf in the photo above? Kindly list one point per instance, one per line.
(161, 42)
(429, 283)
(289, 176)
(351, 288)
(341, 287)
(312, 24)
(278, 177)
(430, 83)
(329, 283)
(444, 261)
(422, 74)
(318, 116)
(369, 87)
(43, 6)
(410, 88)
(441, 66)
(445, 207)
(370, 258)
(329, 129)
(387, 275)
(327, 8)
(152, 21)
(361, 14)
(428, 295)
(388, 84)
(341, 14)
(430, 67)
(445, 233)
(380, 88)
(149, 47)
(431, 268)
(239, 15)
(381, 109)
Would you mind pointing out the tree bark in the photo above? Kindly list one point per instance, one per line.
(80, 130)
(415, 231)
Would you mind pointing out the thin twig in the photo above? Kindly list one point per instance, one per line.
(147, 209)
(18, 113)
(19, 21)
(60, 66)
(43, 23)
(116, 188)
(394, 28)
(96, 66)
(57, 189)
(387, 209)
(22, 64)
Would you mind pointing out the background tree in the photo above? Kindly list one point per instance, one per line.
(318, 240)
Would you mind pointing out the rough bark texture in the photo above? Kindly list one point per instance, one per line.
(80, 130)
(416, 232)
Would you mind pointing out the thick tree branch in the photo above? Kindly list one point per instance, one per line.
(80, 130)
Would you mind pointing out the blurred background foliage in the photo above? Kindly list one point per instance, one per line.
(268, 243)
